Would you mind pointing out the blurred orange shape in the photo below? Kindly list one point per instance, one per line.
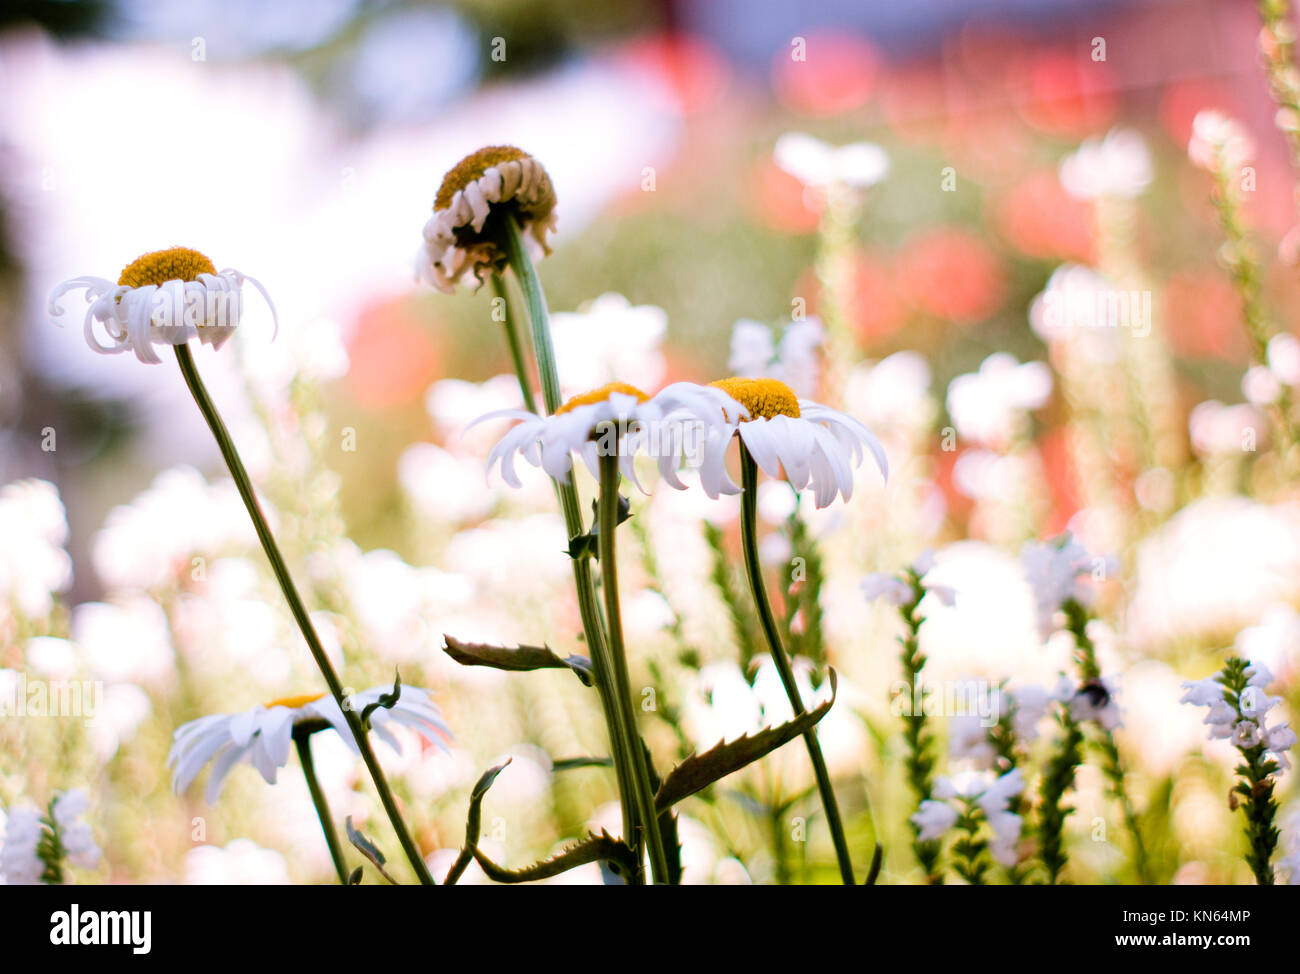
(393, 358)
(688, 74)
(782, 201)
(1065, 94)
(951, 273)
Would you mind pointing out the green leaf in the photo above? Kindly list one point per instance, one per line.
(367, 849)
(701, 770)
(388, 701)
(516, 658)
(591, 849)
(570, 764)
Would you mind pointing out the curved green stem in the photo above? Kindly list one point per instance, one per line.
(303, 742)
(622, 750)
(749, 540)
(245, 487)
(643, 793)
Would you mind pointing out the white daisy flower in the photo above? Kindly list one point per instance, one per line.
(165, 297)
(456, 246)
(673, 425)
(262, 736)
(793, 439)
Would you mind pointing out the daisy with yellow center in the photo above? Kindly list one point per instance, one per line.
(794, 439)
(670, 426)
(261, 736)
(162, 298)
(496, 178)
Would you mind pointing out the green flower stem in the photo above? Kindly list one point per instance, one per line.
(1058, 780)
(749, 541)
(302, 740)
(1111, 766)
(643, 792)
(916, 731)
(511, 328)
(1254, 792)
(622, 749)
(245, 486)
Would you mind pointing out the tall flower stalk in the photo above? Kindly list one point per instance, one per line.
(620, 719)
(920, 740)
(245, 487)
(749, 541)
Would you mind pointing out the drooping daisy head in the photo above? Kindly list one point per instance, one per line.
(673, 426)
(794, 439)
(165, 297)
(262, 736)
(459, 240)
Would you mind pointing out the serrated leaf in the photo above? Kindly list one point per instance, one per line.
(591, 849)
(388, 701)
(701, 770)
(515, 658)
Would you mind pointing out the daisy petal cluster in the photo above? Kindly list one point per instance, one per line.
(673, 426)
(792, 439)
(262, 736)
(165, 297)
(458, 245)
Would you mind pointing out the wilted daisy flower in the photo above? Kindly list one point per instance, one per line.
(262, 736)
(819, 164)
(670, 426)
(792, 439)
(165, 297)
(456, 247)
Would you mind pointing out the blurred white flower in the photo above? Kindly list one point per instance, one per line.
(1219, 430)
(1055, 570)
(156, 537)
(752, 348)
(892, 393)
(52, 657)
(1214, 567)
(607, 340)
(444, 486)
(1219, 143)
(819, 164)
(1118, 165)
(76, 837)
(934, 819)
(1284, 358)
(1260, 385)
(453, 404)
(19, 863)
(1275, 641)
(795, 360)
(126, 642)
(121, 711)
(241, 863)
(1097, 700)
(989, 406)
(33, 530)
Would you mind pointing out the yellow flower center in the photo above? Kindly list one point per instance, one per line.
(767, 398)
(472, 167)
(601, 394)
(161, 266)
(293, 703)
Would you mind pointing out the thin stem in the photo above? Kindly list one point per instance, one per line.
(916, 731)
(643, 793)
(621, 749)
(245, 486)
(516, 344)
(303, 742)
(749, 540)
